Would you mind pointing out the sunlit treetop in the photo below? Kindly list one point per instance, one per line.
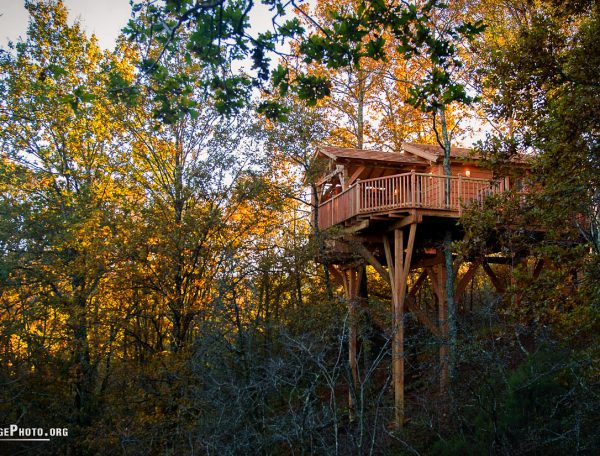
(218, 33)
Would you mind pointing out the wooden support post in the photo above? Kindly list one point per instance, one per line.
(498, 285)
(389, 260)
(437, 273)
(398, 332)
(464, 281)
(351, 297)
(400, 273)
(443, 327)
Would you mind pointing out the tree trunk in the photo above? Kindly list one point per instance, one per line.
(452, 330)
(320, 241)
(360, 102)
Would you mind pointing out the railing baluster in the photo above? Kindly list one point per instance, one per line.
(402, 190)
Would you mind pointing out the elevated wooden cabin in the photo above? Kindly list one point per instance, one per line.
(369, 184)
(371, 202)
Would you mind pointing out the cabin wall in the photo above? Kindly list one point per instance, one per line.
(372, 172)
(340, 180)
(461, 169)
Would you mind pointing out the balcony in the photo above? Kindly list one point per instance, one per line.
(397, 193)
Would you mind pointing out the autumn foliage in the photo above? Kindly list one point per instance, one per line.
(159, 289)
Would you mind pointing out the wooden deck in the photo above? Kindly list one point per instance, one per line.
(448, 195)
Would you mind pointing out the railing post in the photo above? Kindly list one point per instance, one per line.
(331, 212)
(413, 182)
(358, 196)
(459, 194)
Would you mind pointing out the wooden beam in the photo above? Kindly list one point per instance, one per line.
(407, 220)
(418, 284)
(421, 315)
(409, 249)
(431, 270)
(379, 217)
(338, 275)
(363, 224)
(464, 281)
(338, 169)
(370, 258)
(428, 261)
(389, 260)
(419, 152)
(355, 175)
(500, 288)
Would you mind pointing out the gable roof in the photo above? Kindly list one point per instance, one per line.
(433, 153)
(371, 155)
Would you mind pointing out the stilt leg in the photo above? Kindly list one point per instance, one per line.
(398, 321)
(400, 271)
(351, 297)
(444, 335)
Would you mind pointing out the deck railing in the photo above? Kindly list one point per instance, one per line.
(410, 190)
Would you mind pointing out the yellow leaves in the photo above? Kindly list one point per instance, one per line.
(367, 107)
(152, 241)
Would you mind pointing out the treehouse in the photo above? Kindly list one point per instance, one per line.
(361, 186)
(368, 206)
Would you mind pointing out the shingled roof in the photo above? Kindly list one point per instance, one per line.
(433, 153)
(412, 153)
(371, 155)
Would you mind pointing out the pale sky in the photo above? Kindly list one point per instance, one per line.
(105, 18)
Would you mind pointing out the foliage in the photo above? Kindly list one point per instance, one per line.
(158, 286)
(221, 34)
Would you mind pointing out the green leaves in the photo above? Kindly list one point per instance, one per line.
(219, 36)
(375, 49)
(312, 88)
(471, 29)
(230, 94)
(291, 28)
(120, 89)
(280, 77)
(56, 70)
(78, 97)
(273, 110)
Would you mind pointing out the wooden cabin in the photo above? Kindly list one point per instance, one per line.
(369, 184)
(370, 204)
